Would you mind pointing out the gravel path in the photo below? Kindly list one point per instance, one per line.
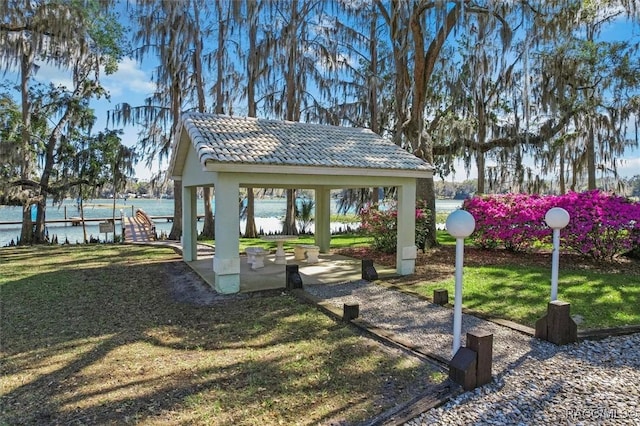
(535, 382)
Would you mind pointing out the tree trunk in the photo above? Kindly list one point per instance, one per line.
(480, 164)
(424, 63)
(209, 227)
(481, 137)
(426, 190)
(591, 160)
(373, 89)
(563, 184)
(176, 227)
(113, 209)
(26, 234)
(250, 230)
(289, 225)
(375, 196)
(39, 229)
(293, 108)
(253, 66)
(84, 227)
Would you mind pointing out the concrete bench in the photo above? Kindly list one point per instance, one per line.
(255, 256)
(308, 251)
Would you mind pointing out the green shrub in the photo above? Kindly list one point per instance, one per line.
(382, 226)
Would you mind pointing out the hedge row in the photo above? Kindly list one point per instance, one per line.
(601, 225)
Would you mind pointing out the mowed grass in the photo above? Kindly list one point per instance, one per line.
(92, 335)
(521, 293)
(337, 241)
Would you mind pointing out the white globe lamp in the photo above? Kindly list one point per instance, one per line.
(556, 218)
(460, 224)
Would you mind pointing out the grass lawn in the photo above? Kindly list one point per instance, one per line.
(514, 286)
(521, 293)
(337, 242)
(517, 286)
(94, 334)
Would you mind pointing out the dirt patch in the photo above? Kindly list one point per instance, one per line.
(185, 286)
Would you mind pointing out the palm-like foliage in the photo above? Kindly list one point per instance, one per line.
(304, 214)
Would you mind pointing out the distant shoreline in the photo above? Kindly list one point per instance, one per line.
(269, 213)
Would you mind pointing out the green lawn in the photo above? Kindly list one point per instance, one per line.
(521, 294)
(96, 335)
(337, 242)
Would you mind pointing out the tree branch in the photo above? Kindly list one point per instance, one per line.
(547, 131)
(49, 189)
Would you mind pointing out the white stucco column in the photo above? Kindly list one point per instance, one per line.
(226, 267)
(406, 253)
(322, 219)
(189, 224)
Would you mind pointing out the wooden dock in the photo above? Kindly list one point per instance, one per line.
(170, 218)
(137, 229)
(73, 221)
(77, 221)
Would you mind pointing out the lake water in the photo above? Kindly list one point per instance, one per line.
(268, 212)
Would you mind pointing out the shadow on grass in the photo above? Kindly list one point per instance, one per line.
(521, 294)
(109, 344)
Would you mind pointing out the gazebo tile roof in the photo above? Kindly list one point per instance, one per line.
(224, 139)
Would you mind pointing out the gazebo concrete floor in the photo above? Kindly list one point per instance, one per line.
(331, 269)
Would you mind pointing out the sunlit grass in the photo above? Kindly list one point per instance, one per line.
(91, 334)
(337, 241)
(521, 294)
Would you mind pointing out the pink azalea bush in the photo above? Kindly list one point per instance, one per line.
(601, 225)
(382, 225)
(513, 220)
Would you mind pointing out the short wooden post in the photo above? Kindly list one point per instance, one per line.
(557, 326)
(440, 296)
(350, 311)
(471, 365)
(369, 272)
(482, 344)
(462, 368)
(294, 280)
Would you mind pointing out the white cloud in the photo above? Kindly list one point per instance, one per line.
(47, 73)
(629, 167)
(129, 78)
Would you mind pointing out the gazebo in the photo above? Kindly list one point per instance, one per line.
(233, 152)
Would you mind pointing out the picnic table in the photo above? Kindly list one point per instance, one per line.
(281, 256)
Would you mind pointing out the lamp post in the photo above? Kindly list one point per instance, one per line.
(556, 218)
(460, 224)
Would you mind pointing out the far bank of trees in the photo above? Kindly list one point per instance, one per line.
(499, 83)
(465, 189)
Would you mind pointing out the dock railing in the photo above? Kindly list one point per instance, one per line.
(143, 217)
